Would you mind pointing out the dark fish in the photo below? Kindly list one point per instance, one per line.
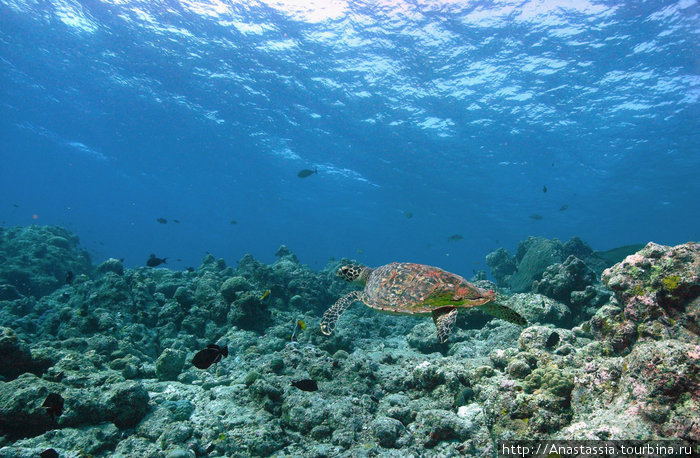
(69, 277)
(544, 188)
(53, 404)
(176, 221)
(455, 238)
(190, 269)
(536, 216)
(210, 355)
(408, 214)
(306, 384)
(49, 453)
(15, 205)
(552, 340)
(306, 173)
(162, 220)
(153, 261)
(233, 221)
(563, 207)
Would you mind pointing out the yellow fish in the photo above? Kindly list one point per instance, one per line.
(302, 325)
(265, 294)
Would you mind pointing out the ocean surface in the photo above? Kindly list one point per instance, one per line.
(489, 120)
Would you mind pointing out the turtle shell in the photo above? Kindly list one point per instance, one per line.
(407, 288)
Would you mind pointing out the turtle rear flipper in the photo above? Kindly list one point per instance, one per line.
(330, 318)
(444, 318)
(503, 312)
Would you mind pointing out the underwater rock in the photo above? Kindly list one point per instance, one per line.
(543, 339)
(126, 403)
(441, 425)
(249, 312)
(657, 290)
(169, 364)
(9, 293)
(232, 286)
(502, 266)
(533, 257)
(285, 254)
(422, 338)
(518, 368)
(21, 414)
(36, 259)
(652, 393)
(561, 279)
(538, 309)
(387, 431)
(668, 275)
(301, 412)
(137, 446)
(184, 296)
(16, 357)
(580, 249)
(662, 381)
(111, 265)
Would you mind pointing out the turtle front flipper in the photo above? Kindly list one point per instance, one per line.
(330, 318)
(444, 318)
(503, 312)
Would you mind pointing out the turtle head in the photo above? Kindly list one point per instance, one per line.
(354, 272)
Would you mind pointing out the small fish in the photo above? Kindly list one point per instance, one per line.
(53, 404)
(455, 238)
(153, 261)
(544, 188)
(233, 222)
(536, 216)
(162, 220)
(552, 340)
(297, 326)
(360, 251)
(265, 294)
(15, 205)
(49, 453)
(69, 277)
(408, 214)
(190, 269)
(176, 221)
(210, 355)
(307, 173)
(305, 384)
(563, 207)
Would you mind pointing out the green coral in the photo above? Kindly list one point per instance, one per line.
(671, 282)
(550, 378)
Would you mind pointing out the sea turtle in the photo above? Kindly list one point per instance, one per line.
(415, 289)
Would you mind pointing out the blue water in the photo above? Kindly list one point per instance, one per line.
(116, 113)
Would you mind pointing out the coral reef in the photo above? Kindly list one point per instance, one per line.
(36, 260)
(566, 272)
(117, 344)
